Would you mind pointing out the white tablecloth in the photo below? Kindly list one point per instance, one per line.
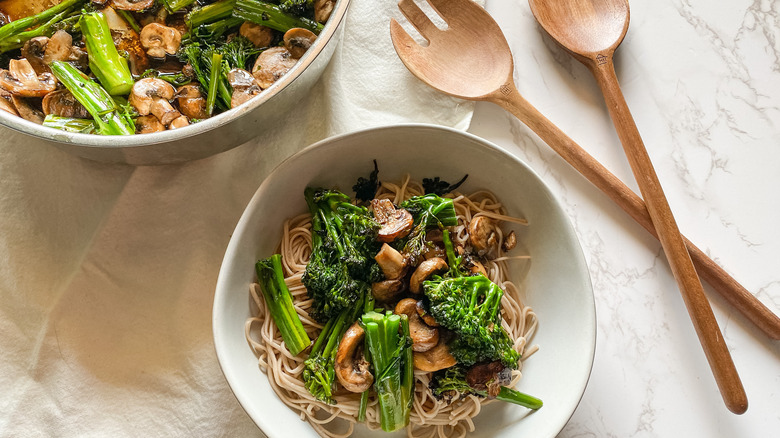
(108, 271)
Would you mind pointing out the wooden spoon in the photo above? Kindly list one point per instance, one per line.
(471, 59)
(591, 30)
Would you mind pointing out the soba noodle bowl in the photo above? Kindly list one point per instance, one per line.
(429, 417)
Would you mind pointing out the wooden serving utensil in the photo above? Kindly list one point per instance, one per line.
(472, 60)
(591, 30)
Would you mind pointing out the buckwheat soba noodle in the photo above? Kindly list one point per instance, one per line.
(430, 416)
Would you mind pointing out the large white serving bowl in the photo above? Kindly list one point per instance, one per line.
(555, 282)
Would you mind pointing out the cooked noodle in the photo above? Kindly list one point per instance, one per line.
(429, 417)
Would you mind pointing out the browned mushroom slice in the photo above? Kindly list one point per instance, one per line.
(271, 65)
(59, 47)
(7, 103)
(489, 377)
(391, 262)
(152, 96)
(482, 234)
(352, 369)
(510, 241)
(130, 5)
(298, 40)
(426, 317)
(179, 122)
(21, 80)
(423, 336)
(244, 86)
(191, 102)
(62, 103)
(27, 111)
(323, 9)
(424, 271)
(148, 124)
(435, 359)
(396, 223)
(258, 35)
(477, 268)
(33, 51)
(159, 40)
(388, 290)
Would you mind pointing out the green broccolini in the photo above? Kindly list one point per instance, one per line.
(428, 211)
(387, 337)
(342, 266)
(270, 276)
(273, 16)
(471, 307)
(453, 380)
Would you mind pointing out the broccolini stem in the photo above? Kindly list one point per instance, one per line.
(129, 19)
(84, 126)
(214, 12)
(513, 396)
(407, 379)
(270, 15)
(175, 5)
(46, 29)
(279, 301)
(26, 23)
(95, 99)
(452, 259)
(214, 79)
(104, 60)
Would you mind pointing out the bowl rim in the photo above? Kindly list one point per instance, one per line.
(218, 304)
(19, 124)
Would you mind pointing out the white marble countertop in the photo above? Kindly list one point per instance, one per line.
(702, 80)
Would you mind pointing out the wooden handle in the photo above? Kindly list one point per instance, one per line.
(625, 198)
(704, 321)
(672, 242)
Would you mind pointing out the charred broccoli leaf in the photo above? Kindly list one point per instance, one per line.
(438, 187)
(365, 189)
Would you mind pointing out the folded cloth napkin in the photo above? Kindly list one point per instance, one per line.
(109, 271)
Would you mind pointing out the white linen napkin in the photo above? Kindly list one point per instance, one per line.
(108, 271)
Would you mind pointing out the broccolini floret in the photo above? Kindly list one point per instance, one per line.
(428, 211)
(471, 308)
(451, 383)
(342, 266)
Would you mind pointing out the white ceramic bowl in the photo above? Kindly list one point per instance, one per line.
(555, 282)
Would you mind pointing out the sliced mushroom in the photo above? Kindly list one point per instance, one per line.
(435, 359)
(482, 234)
(7, 103)
(191, 102)
(179, 122)
(426, 317)
(62, 103)
(159, 40)
(152, 95)
(21, 80)
(396, 223)
(27, 111)
(489, 377)
(391, 262)
(130, 5)
(258, 35)
(423, 336)
(59, 48)
(298, 40)
(425, 270)
(148, 124)
(34, 50)
(271, 65)
(323, 9)
(244, 86)
(350, 365)
(388, 290)
(510, 241)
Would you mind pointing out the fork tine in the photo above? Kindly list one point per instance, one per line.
(401, 39)
(417, 17)
(446, 8)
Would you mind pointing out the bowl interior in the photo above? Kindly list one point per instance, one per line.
(555, 282)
